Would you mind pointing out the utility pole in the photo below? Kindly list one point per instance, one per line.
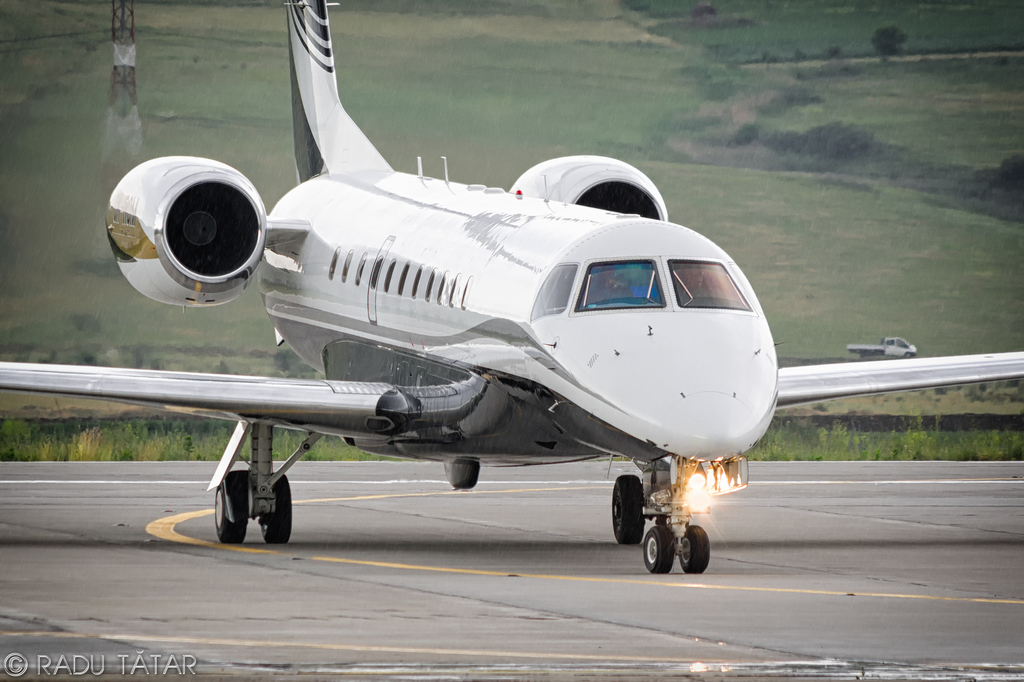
(124, 128)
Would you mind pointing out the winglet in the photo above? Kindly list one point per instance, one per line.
(327, 140)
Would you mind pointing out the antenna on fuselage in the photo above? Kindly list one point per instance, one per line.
(419, 166)
(445, 160)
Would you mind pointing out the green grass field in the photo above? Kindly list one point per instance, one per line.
(904, 239)
(748, 30)
(154, 440)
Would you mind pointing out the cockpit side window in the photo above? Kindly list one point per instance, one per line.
(625, 284)
(705, 285)
(554, 294)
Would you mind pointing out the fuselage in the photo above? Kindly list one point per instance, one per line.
(413, 280)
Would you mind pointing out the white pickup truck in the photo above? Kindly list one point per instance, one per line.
(891, 346)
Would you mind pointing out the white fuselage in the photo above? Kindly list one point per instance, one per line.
(694, 382)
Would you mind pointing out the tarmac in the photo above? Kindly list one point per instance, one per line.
(831, 570)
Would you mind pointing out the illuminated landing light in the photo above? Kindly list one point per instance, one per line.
(698, 667)
(699, 501)
(697, 481)
(726, 475)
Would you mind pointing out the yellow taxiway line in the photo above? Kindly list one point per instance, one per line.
(260, 643)
(165, 529)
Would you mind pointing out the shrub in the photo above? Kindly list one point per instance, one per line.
(747, 133)
(703, 10)
(888, 40)
(832, 141)
(1010, 174)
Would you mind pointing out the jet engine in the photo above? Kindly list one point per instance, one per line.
(187, 231)
(595, 181)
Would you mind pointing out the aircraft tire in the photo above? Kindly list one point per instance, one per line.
(234, 491)
(277, 526)
(659, 549)
(695, 553)
(628, 510)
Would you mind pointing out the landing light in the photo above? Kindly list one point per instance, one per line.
(697, 481)
(699, 502)
(719, 477)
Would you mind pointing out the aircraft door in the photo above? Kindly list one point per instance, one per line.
(377, 279)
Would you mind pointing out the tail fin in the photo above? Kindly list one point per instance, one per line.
(326, 139)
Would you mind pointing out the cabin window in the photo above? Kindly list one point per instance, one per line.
(416, 282)
(402, 278)
(554, 294)
(387, 277)
(334, 263)
(440, 287)
(430, 284)
(375, 272)
(453, 294)
(359, 270)
(625, 284)
(465, 293)
(705, 285)
(348, 262)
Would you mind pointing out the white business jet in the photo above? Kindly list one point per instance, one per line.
(563, 320)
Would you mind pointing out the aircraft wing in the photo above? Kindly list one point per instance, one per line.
(817, 383)
(336, 407)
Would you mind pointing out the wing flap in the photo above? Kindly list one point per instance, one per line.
(817, 383)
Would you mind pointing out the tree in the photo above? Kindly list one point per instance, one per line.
(1010, 174)
(888, 40)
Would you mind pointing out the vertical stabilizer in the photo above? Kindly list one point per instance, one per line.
(326, 139)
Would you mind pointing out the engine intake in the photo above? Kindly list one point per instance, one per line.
(595, 181)
(187, 231)
(211, 229)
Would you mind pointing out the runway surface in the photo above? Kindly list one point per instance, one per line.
(839, 570)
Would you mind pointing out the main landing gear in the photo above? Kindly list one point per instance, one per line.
(258, 493)
(672, 490)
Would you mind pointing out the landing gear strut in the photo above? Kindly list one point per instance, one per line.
(674, 489)
(259, 493)
(662, 496)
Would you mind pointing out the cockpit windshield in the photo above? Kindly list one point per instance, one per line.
(705, 285)
(554, 295)
(629, 284)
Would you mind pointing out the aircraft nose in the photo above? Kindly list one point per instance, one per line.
(711, 423)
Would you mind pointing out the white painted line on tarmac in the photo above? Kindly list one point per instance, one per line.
(929, 481)
(403, 481)
(39, 481)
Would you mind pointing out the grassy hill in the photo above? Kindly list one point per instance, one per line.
(862, 198)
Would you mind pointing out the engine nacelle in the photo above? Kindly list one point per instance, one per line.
(187, 231)
(595, 181)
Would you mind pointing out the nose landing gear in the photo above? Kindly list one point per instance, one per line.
(661, 547)
(694, 550)
(669, 498)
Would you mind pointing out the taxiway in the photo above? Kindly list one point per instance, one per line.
(817, 568)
